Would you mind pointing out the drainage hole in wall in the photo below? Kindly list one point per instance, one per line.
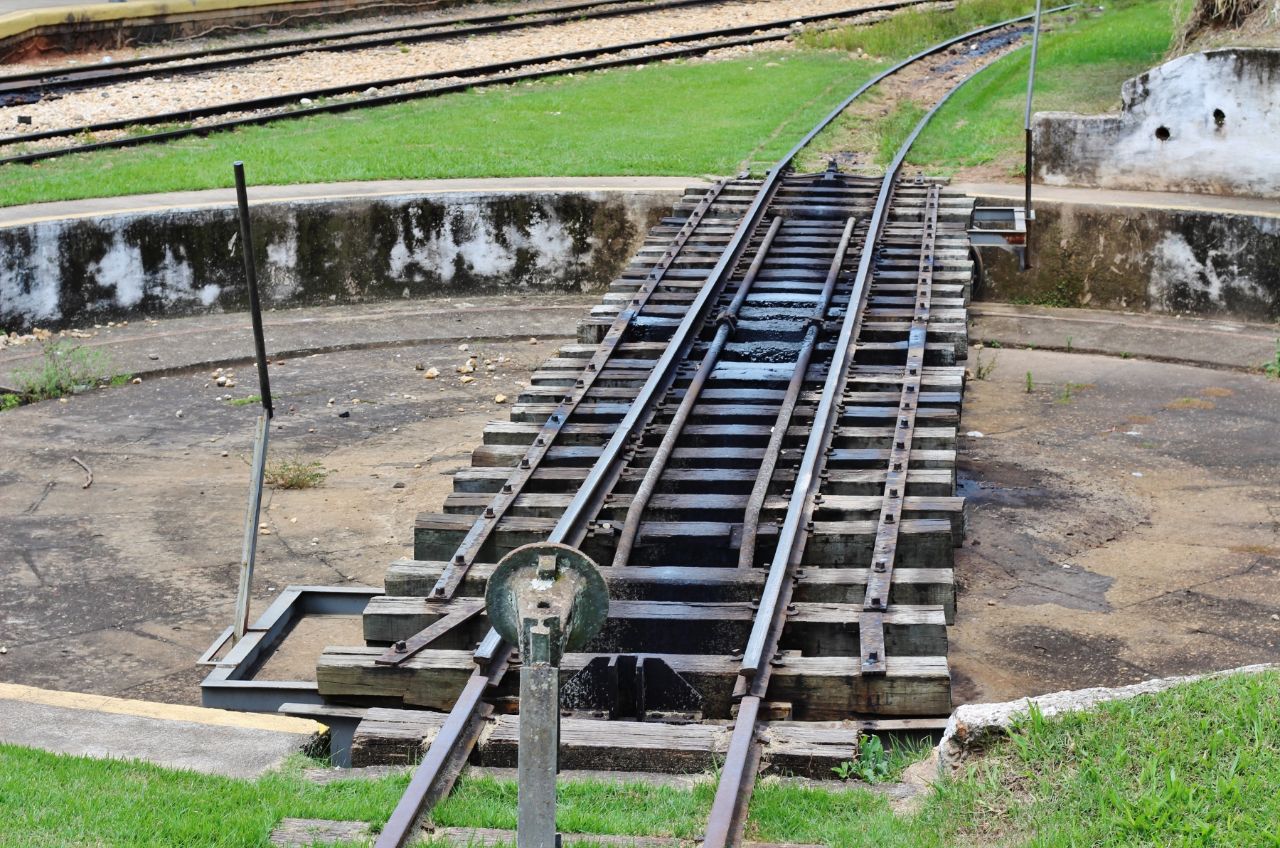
(1219, 117)
(1162, 133)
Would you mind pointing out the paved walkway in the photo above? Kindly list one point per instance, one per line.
(1166, 338)
(179, 344)
(15, 216)
(209, 741)
(1222, 205)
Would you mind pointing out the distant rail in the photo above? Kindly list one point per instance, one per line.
(498, 73)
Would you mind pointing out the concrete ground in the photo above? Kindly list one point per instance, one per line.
(207, 741)
(1124, 523)
(116, 589)
(1077, 570)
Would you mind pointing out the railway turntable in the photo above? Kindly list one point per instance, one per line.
(754, 439)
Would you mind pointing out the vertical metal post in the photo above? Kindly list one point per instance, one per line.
(539, 742)
(250, 548)
(1026, 126)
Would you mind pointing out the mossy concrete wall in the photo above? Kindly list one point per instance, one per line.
(1176, 261)
(72, 273)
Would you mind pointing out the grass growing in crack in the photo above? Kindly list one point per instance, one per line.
(1070, 390)
(8, 401)
(64, 368)
(1272, 368)
(290, 472)
(247, 401)
(983, 370)
(1030, 384)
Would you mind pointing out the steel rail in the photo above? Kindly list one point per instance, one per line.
(456, 570)
(473, 77)
(82, 77)
(760, 489)
(885, 548)
(725, 321)
(790, 529)
(493, 653)
(733, 793)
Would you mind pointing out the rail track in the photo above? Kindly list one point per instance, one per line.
(755, 436)
(263, 110)
(36, 84)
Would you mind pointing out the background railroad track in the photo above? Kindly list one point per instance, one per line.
(216, 114)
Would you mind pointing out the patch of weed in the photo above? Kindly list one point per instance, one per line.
(1190, 403)
(983, 370)
(290, 472)
(64, 368)
(1070, 390)
(1272, 368)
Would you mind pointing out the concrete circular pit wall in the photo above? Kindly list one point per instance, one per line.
(70, 272)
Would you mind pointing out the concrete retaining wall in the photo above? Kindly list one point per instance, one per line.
(72, 273)
(1177, 261)
(1204, 122)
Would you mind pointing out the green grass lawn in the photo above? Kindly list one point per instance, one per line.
(683, 118)
(1198, 765)
(1079, 69)
(1084, 57)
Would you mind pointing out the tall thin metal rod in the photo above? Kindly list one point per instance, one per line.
(253, 512)
(1026, 127)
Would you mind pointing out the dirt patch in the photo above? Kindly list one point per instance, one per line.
(116, 589)
(1112, 538)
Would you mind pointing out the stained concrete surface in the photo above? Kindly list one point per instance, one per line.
(117, 588)
(1124, 523)
(207, 741)
(1076, 572)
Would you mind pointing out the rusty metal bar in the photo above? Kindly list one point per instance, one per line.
(755, 502)
(439, 769)
(885, 548)
(249, 549)
(725, 320)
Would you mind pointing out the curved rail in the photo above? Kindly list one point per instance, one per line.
(434, 777)
(498, 73)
